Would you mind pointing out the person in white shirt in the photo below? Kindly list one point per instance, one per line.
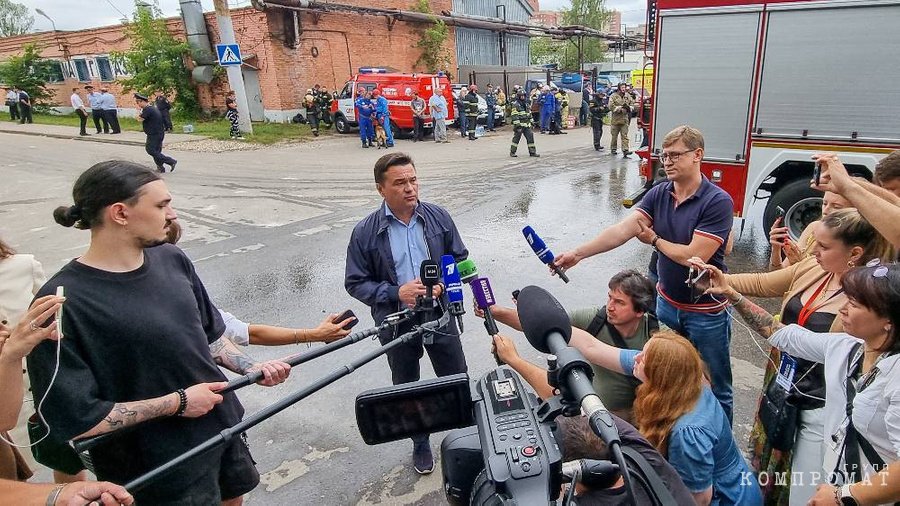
(862, 374)
(78, 105)
(12, 101)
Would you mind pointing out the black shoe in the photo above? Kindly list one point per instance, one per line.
(160, 169)
(172, 165)
(534, 155)
(423, 460)
(83, 134)
(613, 152)
(625, 154)
(513, 155)
(365, 146)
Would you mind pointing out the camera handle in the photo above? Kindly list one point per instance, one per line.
(228, 433)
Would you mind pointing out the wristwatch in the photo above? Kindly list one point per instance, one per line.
(845, 497)
(653, 242)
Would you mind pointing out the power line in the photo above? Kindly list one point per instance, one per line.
(124, 16)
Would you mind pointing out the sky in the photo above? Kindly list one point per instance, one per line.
(78, 14)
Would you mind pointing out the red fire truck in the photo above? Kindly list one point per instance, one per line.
(769, 83)
(397, 88)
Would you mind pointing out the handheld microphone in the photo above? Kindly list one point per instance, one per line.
(453, 284)
(484, 296)
(542, 251)
(548, 328)
(429, 276)
(467, 270)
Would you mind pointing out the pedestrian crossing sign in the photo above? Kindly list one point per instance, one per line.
(229, 54)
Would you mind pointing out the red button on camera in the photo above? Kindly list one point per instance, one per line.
(529, 451)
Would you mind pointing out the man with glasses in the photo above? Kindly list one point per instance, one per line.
(683, 217)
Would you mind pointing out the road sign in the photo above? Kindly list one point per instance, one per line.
(229, 54)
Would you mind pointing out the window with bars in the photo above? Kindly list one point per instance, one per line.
(81, 69)
(104, 68)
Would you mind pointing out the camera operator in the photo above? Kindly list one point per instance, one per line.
(674, 409)
(626, 321)
(141, 342)
(383, 258)
(685, 216)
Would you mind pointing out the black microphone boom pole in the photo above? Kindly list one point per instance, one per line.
(83, 445)
(300, 358)
(226, 434)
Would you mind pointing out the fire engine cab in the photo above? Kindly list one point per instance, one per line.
(769, 83)
(397, 88)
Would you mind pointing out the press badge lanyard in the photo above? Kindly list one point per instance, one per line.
(809, 308)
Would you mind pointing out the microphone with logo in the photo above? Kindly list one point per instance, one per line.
(484, 296)
(453, 285)
(543, 252)
(548, 328)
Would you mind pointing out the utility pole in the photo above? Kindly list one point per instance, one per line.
(235, 77)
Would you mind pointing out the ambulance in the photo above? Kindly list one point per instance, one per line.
(397, 88)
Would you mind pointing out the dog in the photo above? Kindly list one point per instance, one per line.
(380, 136)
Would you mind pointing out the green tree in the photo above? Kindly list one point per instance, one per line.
(156, 61)
(432, 39)
(592, 14)
(545, 51)
(28, 72)
(15, 19)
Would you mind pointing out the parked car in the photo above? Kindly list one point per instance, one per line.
(482, 106)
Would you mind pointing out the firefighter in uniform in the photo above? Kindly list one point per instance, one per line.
(312, 111)
(471, 101)
(598, 110)
(323, 103)
(521, 121)
(620, 104)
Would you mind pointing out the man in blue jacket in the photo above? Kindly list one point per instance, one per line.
(382, 271)
(548, 108)
(383, 116)
(365, 110)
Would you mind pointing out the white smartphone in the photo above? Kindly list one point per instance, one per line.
(60, 292)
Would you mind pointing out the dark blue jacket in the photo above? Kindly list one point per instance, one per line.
(370, 275)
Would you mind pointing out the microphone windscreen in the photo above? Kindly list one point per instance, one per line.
(467, 270)
(481, 290)
(540, 314)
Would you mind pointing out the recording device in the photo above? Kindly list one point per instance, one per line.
(817, 173)
(779, 212)
(60, 292)
(429, 275)
(347, 314)
(515, 295)
(508, 453)
(543, 252)
(453, 285)
(698, 281)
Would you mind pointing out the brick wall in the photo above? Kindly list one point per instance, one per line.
(327, 52)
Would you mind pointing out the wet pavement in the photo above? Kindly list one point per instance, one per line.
(268, 230)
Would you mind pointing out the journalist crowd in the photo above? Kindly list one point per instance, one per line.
(124, 340)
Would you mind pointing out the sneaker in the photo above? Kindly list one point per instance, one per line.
(423, 460)
(534, 155)
(513, 155)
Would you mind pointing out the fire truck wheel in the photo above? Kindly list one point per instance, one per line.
(340, 123)
(802, 206)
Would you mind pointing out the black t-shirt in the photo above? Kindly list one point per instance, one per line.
(633, 439)
(153, 123)
(133, 336)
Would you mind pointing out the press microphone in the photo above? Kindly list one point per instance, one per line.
(429, 275)
(484, 296)
(543, 252)
(548, 328)
(467, 270)
(453, 285)
(593, 474)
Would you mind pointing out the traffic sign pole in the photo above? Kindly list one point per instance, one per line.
(235, 77)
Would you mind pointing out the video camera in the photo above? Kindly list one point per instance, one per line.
(499, 448)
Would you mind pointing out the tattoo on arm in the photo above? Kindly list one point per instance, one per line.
(227, 355)
(125, 414)
(757, 318)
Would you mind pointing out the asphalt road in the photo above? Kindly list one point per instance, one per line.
(268, 229)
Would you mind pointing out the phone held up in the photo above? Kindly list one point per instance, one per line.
(347, 314)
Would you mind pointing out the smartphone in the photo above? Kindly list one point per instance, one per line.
(779, 212)
(60, 292)
(698, 281)
(347, 314)
(817, 173)
(515, 295)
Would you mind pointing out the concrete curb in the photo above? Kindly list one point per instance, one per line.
(75, 137)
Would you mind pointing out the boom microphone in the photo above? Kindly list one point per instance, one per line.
(543, 252)
(453, 284)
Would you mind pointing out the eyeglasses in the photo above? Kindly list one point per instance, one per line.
(672, 156)
(880, 270)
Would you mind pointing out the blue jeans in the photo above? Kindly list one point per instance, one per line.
(490, 118)
(463, 124)
(711, 335)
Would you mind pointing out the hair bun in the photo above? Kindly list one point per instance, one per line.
(67, 216)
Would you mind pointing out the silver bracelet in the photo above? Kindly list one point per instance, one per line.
(54, 495)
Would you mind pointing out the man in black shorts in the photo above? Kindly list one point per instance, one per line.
(140, 345)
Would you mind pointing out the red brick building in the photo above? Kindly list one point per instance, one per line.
(283, 55)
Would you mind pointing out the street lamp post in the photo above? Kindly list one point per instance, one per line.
(44, 14)
(59, 43)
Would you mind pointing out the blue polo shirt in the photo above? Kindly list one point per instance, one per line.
(709, 212)
(407, 244)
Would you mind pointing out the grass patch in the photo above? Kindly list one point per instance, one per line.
(263, 133)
